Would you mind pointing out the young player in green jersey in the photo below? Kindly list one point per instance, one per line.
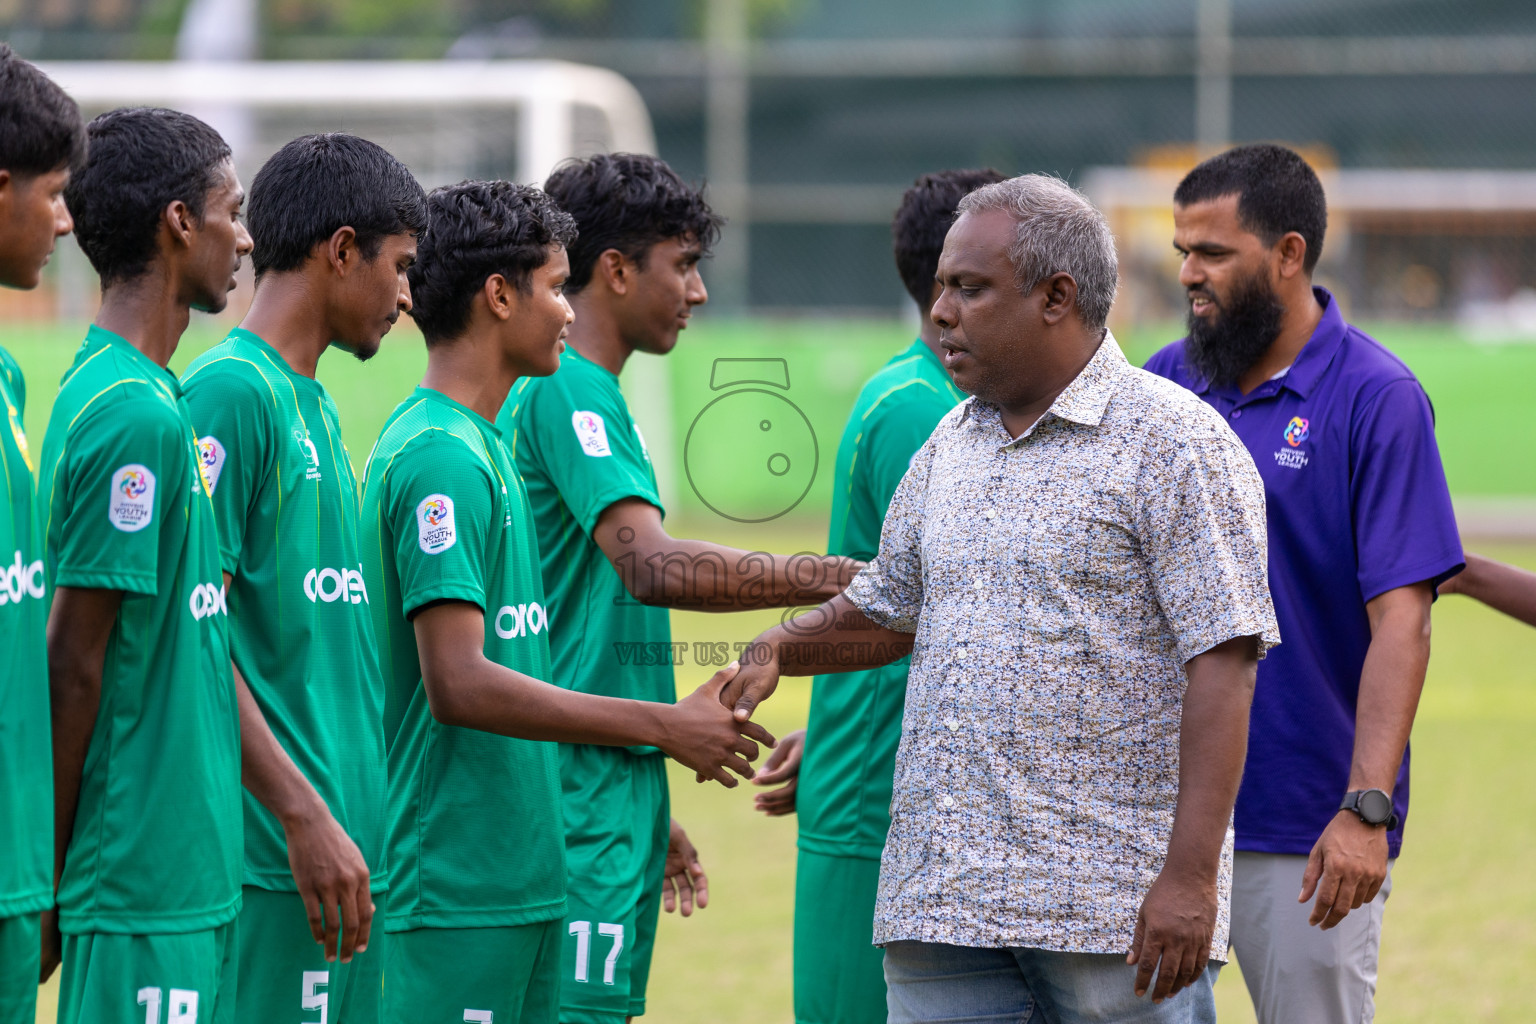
(842, 792)
(334, 219)
(610, 568)
(477, 865)
(146, 743)
(41, 140)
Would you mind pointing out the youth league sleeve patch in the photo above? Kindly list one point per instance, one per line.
(210, 459)
(131, 506)
(591, 433)
(434, 524)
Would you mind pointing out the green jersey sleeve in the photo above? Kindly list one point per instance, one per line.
(589, 448)
(440, 505)
(894, 441)
(125, 472)
(232, 416)
(10, 369)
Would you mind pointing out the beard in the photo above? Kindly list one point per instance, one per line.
(1220, 349)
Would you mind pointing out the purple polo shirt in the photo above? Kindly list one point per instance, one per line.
(1357, 505)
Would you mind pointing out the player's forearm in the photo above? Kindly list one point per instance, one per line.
(1213, 742)
(699, 575)
(267, 770)
(479, 694)
(1390, 685)
(832, 637)
(1502, 587)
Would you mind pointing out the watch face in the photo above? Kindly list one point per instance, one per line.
(1375, 806)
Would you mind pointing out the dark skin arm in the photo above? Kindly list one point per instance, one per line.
(1501, 587)
(832, 637)
(658, 569)
(1349, 861)
(466, 689)
(328, 868)
(80, 623)
(1177, 921)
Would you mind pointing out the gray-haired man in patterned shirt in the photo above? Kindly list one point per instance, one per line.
(1076, 559)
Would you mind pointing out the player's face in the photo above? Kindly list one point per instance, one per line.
(373, 295)
(32, 216)
(1220, 257)
(665, 292)
(218, 243)
(542, 317)
(988, 329)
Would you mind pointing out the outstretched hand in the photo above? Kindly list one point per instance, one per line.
(782, 766)
(1174, 931)
(704, 736)
(684, 883)
(755, 682)
(1346, 869)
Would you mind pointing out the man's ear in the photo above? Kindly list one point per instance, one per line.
(614, 270)
(177, 218)
(501, 297)
(1292, 249)
(342, 252)
(1060, 298)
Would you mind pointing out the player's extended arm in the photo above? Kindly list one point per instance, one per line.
(1501, 587)
(79, 625)
(1349, 861)
(658, 569)
(1177, 921)
(832, 637)
(328, 869)
(464, 688)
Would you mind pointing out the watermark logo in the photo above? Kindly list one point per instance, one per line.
(751, 453)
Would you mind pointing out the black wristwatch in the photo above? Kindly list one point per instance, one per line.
(1374, 806)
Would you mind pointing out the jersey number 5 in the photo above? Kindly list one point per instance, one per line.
(583, 932)
(183, 1005)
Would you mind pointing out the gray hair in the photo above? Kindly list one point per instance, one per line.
(1059, 231)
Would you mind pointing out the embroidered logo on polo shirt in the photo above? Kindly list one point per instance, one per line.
(1296, 431)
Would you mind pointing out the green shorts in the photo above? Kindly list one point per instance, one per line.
(617, 824)
(839, 974)
(480, 975)
(20, 949)
(187, 978)
(283, 973)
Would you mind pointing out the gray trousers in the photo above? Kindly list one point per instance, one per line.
(1296, 972)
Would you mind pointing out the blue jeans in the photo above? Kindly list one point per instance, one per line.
(928, 982)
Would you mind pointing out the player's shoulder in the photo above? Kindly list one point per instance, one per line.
(15, 380)
(227, 373)
(1368, 366)
(427, 434)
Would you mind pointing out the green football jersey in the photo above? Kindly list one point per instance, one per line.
(844, 794)
(579, 451)
(157, 838)
(475, 832)
(26, 751)
(286, 503)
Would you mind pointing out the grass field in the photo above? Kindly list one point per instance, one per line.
(1461, 928)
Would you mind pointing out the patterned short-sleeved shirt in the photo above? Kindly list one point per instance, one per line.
(1057, 584)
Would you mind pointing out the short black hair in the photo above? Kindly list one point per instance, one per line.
(40, 126)
(318, 184)
(628, 202)
(476, 229)
(917, 232)
(1277, 193)
(141, 159)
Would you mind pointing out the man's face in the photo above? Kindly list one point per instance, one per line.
(665, 290)
(542, 317)
(32, 216)
(218, 243)
(1230, 276)
(373, 295)
(988, 329)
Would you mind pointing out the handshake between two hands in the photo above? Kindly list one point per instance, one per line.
(711, 730)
